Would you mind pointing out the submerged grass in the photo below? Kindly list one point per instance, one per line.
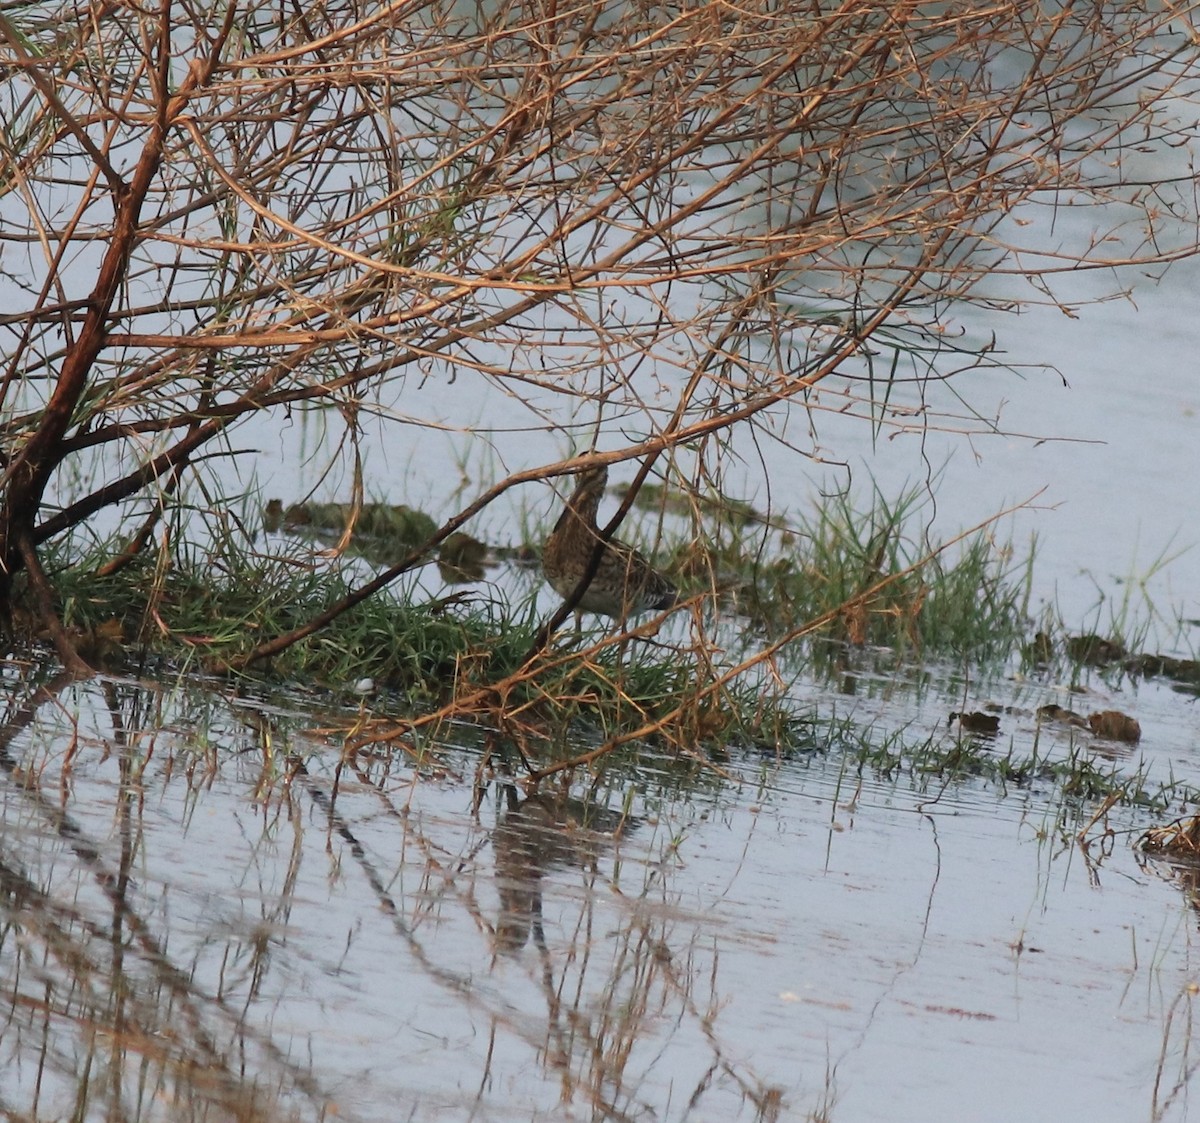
(1075, 779)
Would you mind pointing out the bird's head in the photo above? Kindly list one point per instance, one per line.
(592, 482)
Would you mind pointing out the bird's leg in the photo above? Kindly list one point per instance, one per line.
(622, 630)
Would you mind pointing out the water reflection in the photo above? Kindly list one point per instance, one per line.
(610, 990)
(102, 1020)
(532, 836)
(209, 911)
(207, 914)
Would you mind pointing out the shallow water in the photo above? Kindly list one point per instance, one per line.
(204, 918)
(197, 926)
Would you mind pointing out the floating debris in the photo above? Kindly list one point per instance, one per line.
(987, 725)
(1095, 651)
(1180, 839)
(1115, 726)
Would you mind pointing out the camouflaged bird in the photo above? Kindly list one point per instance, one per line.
(624, 582)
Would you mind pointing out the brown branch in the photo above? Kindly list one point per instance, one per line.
(43, 596)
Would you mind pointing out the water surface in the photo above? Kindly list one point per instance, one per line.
(204, 920)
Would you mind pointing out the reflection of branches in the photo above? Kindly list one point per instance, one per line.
(599, 984)
(595, 1034)
(615, 995)
(1169, 1090)
(532, 836)
(85, 974)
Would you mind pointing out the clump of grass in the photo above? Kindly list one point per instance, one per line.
(881, 582)
(211, 607)
(222, 604)
(877, 579)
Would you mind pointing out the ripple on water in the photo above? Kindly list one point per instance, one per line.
(794, 934)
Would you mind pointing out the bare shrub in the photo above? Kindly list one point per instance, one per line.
(677, 219)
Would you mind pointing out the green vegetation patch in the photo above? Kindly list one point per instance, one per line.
(869, 578)
(875, 576)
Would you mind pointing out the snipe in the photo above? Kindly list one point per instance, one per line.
(624, 582)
